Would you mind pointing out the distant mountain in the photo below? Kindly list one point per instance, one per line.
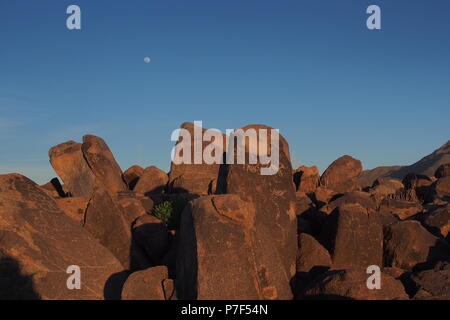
(426, 166)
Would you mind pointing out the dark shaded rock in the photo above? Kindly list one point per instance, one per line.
(433, 284)
(152, 181)
(401, 208)
(68, 161)
(54, 189)
(306, 179)
(385, 187)
(322, 196)
(351, 284)
(362, 198)
(102, 163)
(438, 221)
(145, 285)
(407, 244)
(105, 220)
(152, 236)
(131, 176)
(40, 242)
(342, 175)
(442, 171)
(354, 236)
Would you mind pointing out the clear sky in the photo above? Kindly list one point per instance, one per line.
(312, 69)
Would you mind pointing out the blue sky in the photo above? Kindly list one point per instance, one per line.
(309, 68)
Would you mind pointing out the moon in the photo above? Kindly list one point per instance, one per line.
(146, 59)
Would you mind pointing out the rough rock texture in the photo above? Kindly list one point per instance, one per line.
(306, 179)
(407, 244)
(102, 163)
(217, 258)
(311, 254)
(384, 187)
(145, 285)
(352, 284)
(152, 181)
(442, 171)
(438, 221)
(323, 195)
(69, 163)
(132, 209)
(433, 284)
(194, 178)
(401, 208)
(131, 176)
(274, 199)
(152, 236)
(74, 208)
(105, 220)
(342, 175)
(442, 188)
(354, 236)
(38, 243)
(362, 198)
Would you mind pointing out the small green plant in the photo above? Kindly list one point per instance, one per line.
(170, 211)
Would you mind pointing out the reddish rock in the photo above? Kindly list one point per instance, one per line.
(152, 236)
(132, 175)
(352, 284)
(54, 188)
(407, 244)
(306, 179)
(303, 203)
(102, 163)
(132, 209)
(342, 175)
(217, 257)
(414, 181)
(359, 197)
(384, 187)
(323, 195)
(438, 220)
(442, 188)
(274, 199)
(442, 171)
(74, 208)
(152, 181)
(145, 285)
(105, 220)
(354, 236)
(311, 254)
(433, 284)
(194, 178)
(69, 163)
(401, 208)
(38, 244)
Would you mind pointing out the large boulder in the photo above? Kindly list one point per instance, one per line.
(102, 163)
(438, 221)
(362, 198)
(433, 284)
(152, 181)
(195, 178)
(38, 243)
(273, 196)
(105, 220)
(354, 236)
(146, 285)
(217, 255)
(407, 244)
(311, 254)
(74, 208)
(131, 176)
(342, 175)
(69, 163)
(351, 284)
(306, 179)
(442, 188)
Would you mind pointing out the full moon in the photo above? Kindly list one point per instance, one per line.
(146, 59)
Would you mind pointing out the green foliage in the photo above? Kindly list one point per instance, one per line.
(170, 211)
